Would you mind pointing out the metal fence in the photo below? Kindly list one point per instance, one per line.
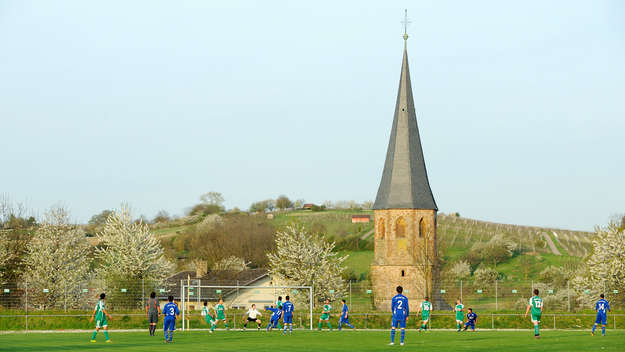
(499, 304)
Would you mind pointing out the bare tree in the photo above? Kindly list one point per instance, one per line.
(213, 198)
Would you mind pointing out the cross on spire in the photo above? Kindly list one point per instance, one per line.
(406, 22)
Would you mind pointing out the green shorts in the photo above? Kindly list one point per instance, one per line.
(460, 316)
(425, 316)
(325, 316)
(209, 319)
(536, 317)
(221, 317)
(100, 323)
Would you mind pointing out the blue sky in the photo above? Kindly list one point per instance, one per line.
(521, 106)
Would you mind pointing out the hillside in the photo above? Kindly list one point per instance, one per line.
(538, 247)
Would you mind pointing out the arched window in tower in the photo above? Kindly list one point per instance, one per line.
(400, 227)
(421, 228)
(381, 229)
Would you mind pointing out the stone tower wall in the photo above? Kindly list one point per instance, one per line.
(405, 254)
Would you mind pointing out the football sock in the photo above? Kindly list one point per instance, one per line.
(392, 335)
(403, 334)
(290, 327)
(166, 334)
(329, 325)
(171, 335)
(106, 334)
(95, 332)
(319, 328)
(603, 330)
(212, 327)
(350, 325)
(536, 330)
(594, 327)
(458, 325)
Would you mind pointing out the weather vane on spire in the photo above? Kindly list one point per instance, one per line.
(405, 23)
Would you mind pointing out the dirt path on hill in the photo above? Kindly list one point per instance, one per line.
(366, 235)
(552, 245)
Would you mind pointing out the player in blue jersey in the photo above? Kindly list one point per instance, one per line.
(275, 317)
(344, 317)
(287, 315)
(399, 307)
(602, 307)
(471, 320)
(170, 311)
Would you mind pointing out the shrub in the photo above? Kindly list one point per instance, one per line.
(485, 276)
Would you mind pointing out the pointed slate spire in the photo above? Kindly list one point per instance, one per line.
(404, 182)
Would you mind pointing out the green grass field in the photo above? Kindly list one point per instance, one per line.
(319, 341)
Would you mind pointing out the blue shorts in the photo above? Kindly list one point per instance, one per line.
(169, 324)
(344, 320)
(602, 319)
(470, 323)
(274, 322)
(399, 322)
(288, 319)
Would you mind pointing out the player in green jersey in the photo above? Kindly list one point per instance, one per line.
(536, 305)
(325, 315)
(208, 316)
(425, 308)
(220, 311)
(459, 314)
(100, 314)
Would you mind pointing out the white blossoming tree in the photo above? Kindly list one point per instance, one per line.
(305, 259)
(604, 269)
(460, 270)
(130, 257)
(6, 255)
(57, 262)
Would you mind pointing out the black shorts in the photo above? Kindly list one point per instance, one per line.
(153, 317)
(252, 319)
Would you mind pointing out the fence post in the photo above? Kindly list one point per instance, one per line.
(366, 315)
(492, 321)
(199, 292)
(496, 300)
(65, 298)
(142, 293)
(554, 321)
(26, 307)
(614, 317)
(568, 294)
(350, 292)
(182, 299)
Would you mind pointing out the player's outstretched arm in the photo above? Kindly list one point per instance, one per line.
(92, 316)
(527, 310)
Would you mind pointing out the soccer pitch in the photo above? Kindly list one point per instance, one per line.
(319, 341)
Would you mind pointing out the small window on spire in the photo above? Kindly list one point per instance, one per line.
(403, 273)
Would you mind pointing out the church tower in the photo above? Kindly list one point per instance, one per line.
(404, 210)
